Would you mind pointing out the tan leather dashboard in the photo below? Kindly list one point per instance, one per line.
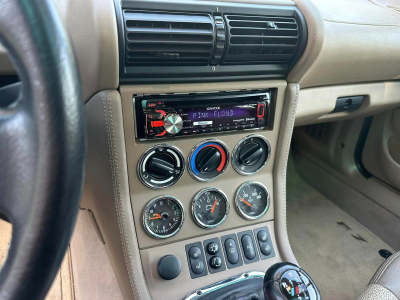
(349, 42)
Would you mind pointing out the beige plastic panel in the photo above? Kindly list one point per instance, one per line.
(187, 187)
(356, 42)
(315, 104)
(183, 284)
(382, 147)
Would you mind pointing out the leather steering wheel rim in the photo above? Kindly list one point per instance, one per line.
(42, 147)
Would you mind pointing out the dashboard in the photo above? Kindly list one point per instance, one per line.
(190, 108)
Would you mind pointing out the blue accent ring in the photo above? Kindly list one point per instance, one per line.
(193, 160)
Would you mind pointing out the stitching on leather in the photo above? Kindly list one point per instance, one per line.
(117, 193)
(284, 173)
(383, 267)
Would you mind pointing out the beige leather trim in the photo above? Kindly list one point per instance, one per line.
(316, 35)
(350, 52)
(107, 191)
(92, 26)
(280, 170)
(376, 291)
(315, 104)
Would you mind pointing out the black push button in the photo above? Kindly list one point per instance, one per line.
(212, 248)
(265, 248)
(231, 251)
(262, 236)
(197, 266)
(248, 247)
(194, 252)
(216, 262)
(169, 267)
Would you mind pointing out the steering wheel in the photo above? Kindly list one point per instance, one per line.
(42, 147)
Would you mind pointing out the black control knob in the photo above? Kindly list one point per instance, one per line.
(169, 267)
(208, 159)
(286, 281)
(250, 154)
(161, 166)
(212, 248)
(216, 262)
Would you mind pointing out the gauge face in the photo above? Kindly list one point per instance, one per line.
(210, 208)
(252, 200)
(163, 217)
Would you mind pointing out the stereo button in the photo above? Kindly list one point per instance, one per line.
(231, 251)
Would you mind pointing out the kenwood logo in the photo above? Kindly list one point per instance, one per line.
(214, 108)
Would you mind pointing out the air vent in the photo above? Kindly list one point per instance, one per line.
(167, 39)
(260, 39)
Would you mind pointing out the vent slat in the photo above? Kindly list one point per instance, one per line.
(260, 39)
(168, 39)
(170, 31)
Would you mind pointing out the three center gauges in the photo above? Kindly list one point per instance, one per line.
(163, 165)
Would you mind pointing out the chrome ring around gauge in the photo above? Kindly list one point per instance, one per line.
(161, 166)
(252, 200)
(208, 160)
(210, 208)
(251, 154)
(163, 217)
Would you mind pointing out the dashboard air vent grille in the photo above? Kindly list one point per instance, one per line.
(260, 39)
(167, 39)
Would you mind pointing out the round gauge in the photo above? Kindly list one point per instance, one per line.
(252, 200)
(210, 208)
(163, 217)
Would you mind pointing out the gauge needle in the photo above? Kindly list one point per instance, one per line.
(215, 203)
(247, 203)
(157, 216)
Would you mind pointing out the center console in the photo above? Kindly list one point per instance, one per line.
(200, 161)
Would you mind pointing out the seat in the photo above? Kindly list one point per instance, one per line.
(385, 284)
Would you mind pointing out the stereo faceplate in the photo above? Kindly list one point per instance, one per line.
(165, 116)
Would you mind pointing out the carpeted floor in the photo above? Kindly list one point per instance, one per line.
(340, 254)
(62, 288)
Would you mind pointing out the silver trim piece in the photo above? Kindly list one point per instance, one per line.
(197, 196)
(241, 213)
(146, 155)
(224, 283)
(195, 148)
(237, 146)
(146, 211)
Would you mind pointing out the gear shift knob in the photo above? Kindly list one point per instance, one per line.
(286, 281)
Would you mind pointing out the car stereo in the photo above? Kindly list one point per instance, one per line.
(163, 116)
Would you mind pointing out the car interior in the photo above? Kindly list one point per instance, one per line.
(200, 149)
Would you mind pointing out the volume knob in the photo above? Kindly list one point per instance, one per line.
(173, 123)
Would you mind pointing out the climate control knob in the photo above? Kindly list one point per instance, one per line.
(251, 154)
(173, 123)
(208, 160)
(161, 166)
